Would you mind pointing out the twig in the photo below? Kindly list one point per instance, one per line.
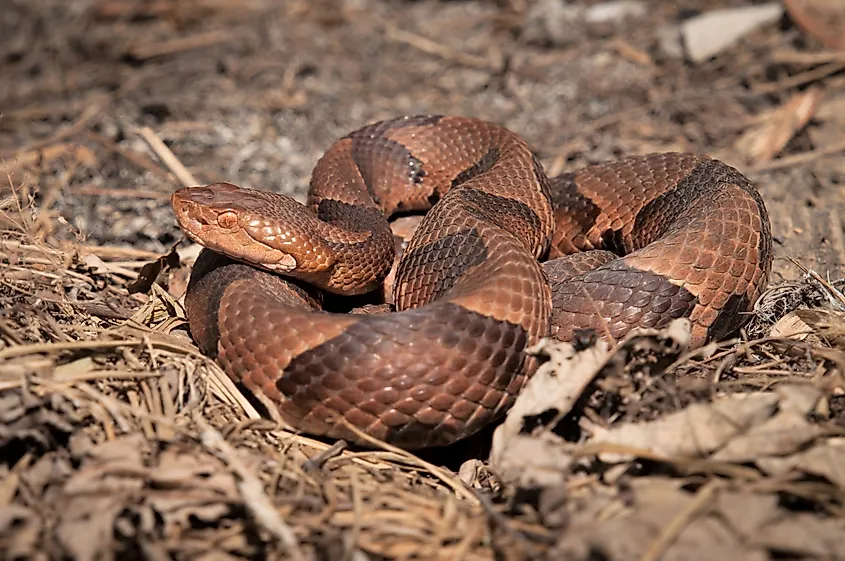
(148, 50)
(317, 461)
(836, 294)
(167, 157)
(438, 49)
(252, 491)
(799, 57)
(673, 530)
(450, 480)
(800, 79)
(801, 158)
(34, 348)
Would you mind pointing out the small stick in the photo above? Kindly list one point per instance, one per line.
(437, 49)
(167, 157)
(147, 51)
(798, 159)
(315, 463)
(456, 484)
(800, 79)
(676, 526)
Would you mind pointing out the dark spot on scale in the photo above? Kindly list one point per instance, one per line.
(569, 201)
(731, 317)
(415, 170)
(353, 217)
(482, 165)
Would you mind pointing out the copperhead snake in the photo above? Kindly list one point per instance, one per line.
(631, 243)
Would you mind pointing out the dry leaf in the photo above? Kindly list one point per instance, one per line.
(785, 433)
(764, 141)
(557, 385)
(86, 526)
(693, 432)
(657, 503)
(791, 326)
(746, 513)
(805, 534)
(822, 19)
(154, 271)
(20, 530)
(825, 459)
(543, 459)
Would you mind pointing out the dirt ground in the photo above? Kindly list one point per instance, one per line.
(119, 440)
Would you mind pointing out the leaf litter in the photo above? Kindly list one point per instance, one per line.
(121, 439)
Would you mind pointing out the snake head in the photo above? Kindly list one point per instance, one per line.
(264, 229)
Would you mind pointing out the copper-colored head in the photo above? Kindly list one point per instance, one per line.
(248, 225)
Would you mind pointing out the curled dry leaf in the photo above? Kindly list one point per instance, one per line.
(693, 432)
(154, 271)
(825, 459)
(765, 141)
(792, 326)
(542, 458)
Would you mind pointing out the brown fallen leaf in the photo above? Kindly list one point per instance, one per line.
(746, 513)
(823, 20)
(764, 141)
(792, 326)
(85, 529)
(542, 459)
(154, 271)
(785, 433)
(529, 455)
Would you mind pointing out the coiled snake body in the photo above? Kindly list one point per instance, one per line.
(651, 238)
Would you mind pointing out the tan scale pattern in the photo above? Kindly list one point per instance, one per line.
(469, 288)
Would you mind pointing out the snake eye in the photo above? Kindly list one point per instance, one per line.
(227, 220)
